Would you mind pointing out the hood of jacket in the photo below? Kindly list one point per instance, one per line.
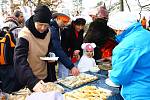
(128, 31)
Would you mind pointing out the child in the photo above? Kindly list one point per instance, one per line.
(87, 61)
(76, 57)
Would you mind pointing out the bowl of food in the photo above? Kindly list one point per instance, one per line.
(94, 69)
(103, 60)
(105, 66)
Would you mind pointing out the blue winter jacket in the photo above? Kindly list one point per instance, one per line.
(56, 46)
(131, 63)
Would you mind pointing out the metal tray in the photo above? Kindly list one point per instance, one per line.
(73, 82)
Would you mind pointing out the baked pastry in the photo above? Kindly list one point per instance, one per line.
(76, 81)
(53, 87)
(20, 95)
(88, 93)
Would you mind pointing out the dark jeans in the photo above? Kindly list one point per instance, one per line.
(8, 79)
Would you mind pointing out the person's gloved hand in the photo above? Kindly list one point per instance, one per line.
(39, 87)
(75, 71)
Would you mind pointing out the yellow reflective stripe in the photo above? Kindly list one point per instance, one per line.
(2, 60)
(11, 43)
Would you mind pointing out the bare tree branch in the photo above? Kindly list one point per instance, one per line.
(146, 5)
(128, 5)
(140, 8)
(33, 2)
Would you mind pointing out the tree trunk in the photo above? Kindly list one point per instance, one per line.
(121, 5)
(39, 2)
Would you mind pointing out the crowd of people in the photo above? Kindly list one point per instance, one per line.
(119, 37)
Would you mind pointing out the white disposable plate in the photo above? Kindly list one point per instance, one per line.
(49, 58)
(110, 83)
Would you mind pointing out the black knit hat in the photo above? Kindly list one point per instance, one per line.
(80, 21)
(42, 14)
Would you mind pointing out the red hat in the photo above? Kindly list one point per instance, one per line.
(103, 13)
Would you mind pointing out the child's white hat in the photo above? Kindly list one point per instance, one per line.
(88, 46)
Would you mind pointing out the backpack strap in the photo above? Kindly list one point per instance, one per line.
(7, 28)
(14, 28)
(10, 20)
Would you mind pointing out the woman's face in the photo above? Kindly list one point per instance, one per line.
(78, 28)
(41, 27)
(118, 31)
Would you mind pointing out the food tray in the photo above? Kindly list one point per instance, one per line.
(88, 93)
(73, 82)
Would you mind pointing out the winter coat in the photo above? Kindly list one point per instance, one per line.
(100, 34)
(130, 63)
(56, 46)
(28, 65)
(70, 42)
(86, 63)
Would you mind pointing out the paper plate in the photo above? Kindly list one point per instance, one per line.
(49, 58)
(110, 83)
